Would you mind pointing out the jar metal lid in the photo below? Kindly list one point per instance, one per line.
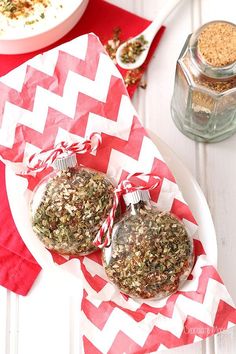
(136, 197)
(62, 163)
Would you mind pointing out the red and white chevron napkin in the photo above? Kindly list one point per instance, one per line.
(67, 94)
(18, 269)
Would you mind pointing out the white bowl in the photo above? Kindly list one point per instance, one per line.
(45, 32)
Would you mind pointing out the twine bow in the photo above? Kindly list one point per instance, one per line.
(125, 186)
(45, 158)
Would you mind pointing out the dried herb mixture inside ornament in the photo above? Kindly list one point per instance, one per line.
(69, 207)
(150, 254)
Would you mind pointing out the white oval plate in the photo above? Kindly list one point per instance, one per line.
(29, 41)
(194, 197)
(192, 193)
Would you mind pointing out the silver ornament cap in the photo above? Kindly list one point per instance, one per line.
(65, 162)
(136, 197)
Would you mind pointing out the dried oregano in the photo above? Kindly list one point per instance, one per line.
(133, 50)
(150, 254)
(69, 208)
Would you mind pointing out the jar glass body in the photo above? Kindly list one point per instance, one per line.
(150, 255)
(203, 105)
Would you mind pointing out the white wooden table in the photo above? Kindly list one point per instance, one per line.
(35, 324)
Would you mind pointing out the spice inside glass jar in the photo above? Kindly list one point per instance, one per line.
(69, 206)
(151, 253)
(203, 106)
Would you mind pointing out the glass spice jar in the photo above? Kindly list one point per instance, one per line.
(151, 253)
(69, 206)
(203, 105)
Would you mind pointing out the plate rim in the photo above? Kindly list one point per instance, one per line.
(206, 229)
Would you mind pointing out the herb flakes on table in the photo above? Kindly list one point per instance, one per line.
(113, 44)
(133, 77)
(72, 209)
(150, 254)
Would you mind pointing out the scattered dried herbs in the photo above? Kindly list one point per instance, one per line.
(71, 210)
(133, 77)
(133, 49)
(150, 254)
(112, 44)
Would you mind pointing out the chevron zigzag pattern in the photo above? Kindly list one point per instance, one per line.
(66, 94)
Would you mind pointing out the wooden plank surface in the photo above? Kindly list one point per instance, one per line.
(221, 188)
(4, 320)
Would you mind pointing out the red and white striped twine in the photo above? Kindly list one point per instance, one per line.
(103, 237)
(45, 158)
